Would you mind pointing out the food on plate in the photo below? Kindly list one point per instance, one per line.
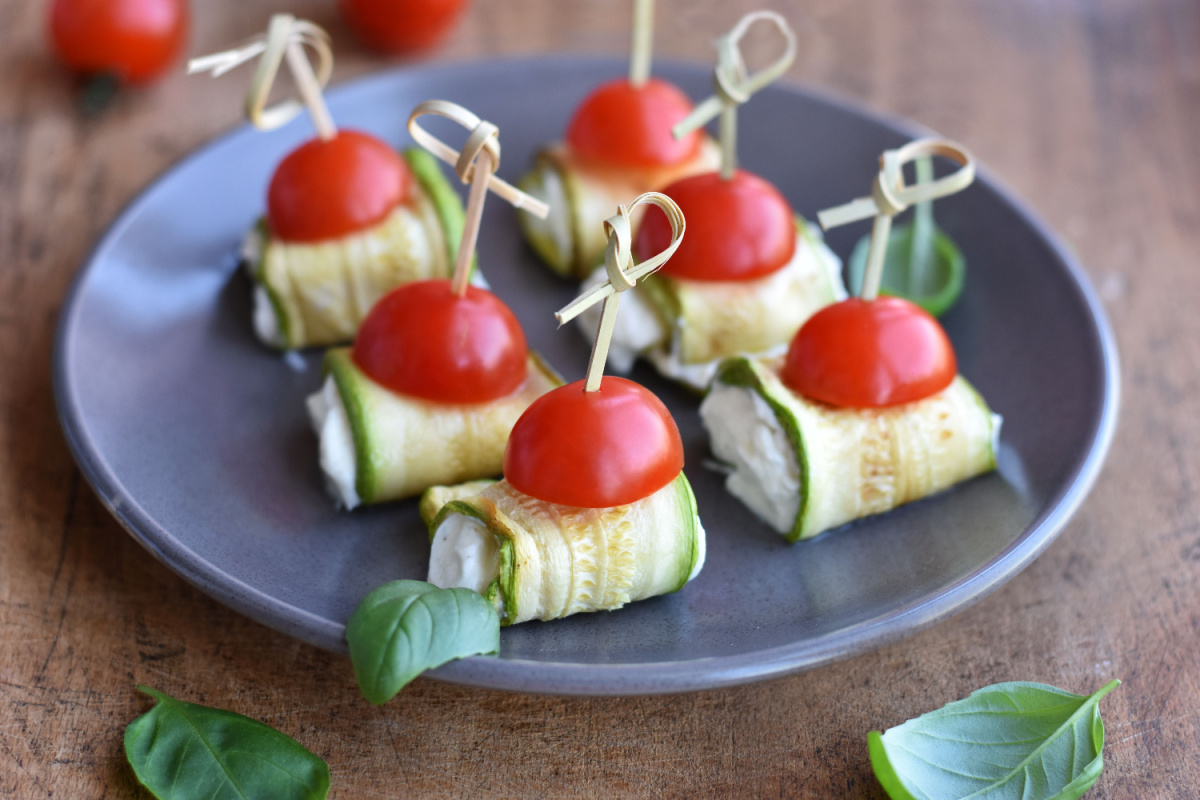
(867, 410)
(400, 26)
(618, 144)
(594, 510)
(440, 370)
(132, 41)
(751, 272)
(316, 291)
(347, 218)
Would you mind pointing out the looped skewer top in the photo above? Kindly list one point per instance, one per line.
(734, 85)
(475, 164)
(622, 275)
(286, 37)
(890, 195)
(484, 137)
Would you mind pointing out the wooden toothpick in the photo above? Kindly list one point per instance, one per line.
(890, 195)
(286, 38)
(618, 259)
(642, 48)
(476, 164)
(734, 86)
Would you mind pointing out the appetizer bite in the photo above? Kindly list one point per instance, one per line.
(440, 370)
(751, 272)
(866, 411)
(347, 218)
(618, 144)
(594, 510)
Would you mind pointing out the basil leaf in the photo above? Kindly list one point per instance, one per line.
(181, 751)
(403, 628)
(1025, 741)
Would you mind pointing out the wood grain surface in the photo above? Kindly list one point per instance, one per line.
(1089, 109)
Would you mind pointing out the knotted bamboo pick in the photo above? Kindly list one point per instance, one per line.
(642, 48)
(476, 164)
(890, 195)
(286, 37)
(734, 85)
(618, 260)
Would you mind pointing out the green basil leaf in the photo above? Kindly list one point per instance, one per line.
(403, 628)
(181, 751)
(1025, 741)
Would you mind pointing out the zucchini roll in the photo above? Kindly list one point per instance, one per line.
(377, 445)
(687, 327)
(805, 467)
(581, 195)
(540, 560)
(317, 293)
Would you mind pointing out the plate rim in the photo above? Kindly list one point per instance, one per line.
(572, 678)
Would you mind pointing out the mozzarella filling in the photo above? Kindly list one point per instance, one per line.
(465, 553)
(746, 435)
(339, 457)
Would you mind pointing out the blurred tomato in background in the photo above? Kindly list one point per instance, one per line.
(134, 41)
(399, 26)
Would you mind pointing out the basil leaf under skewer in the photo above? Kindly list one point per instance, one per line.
(922, 264)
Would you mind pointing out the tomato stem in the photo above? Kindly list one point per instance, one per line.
(98, 92)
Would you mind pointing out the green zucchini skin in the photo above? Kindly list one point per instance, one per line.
(852, 463)
(320, 292)
(403, 445)
(554, 561)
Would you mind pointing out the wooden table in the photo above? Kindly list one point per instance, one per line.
(1089, 110)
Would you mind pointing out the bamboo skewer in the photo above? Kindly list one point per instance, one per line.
(286, 38)
(890, 195)
(734, 85)
(642, 48)
(622, 275)
(475, 164)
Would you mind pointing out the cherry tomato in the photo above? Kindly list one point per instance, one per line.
(630, 126)
(396, 26)
(597, 449)
(326, 190)
(738, 229)
(424, 341)
(869, 354)
(134, 39)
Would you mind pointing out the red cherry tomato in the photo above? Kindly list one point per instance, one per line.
(396, 26)
(738, 229)
(134, 39)
(594, 449)
(424, 341)
(630, 126)
(869, 354)
(326, 190)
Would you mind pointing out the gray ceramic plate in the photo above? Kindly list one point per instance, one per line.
(196, 438)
